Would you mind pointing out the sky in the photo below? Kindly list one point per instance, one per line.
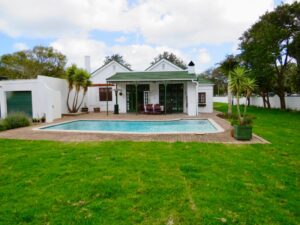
(204, 31)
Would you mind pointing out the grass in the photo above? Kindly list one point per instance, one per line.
(44, 182)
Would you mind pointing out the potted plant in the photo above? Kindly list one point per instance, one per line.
(85, 109)
(242, 86)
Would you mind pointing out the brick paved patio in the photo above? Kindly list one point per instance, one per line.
(29, 134)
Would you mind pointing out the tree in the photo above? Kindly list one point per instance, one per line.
(118, 58)
(266, 44)
(78, 80)
(241, 85)
(170, 57)
(227, 66)
(216, 76)
(28, 64)
(294, 50)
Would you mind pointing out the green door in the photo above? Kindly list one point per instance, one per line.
(19, 101)
(132, 95)
(174, 97)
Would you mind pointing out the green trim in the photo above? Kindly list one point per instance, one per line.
(152, 76)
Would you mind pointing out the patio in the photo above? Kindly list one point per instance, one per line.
(28, 133)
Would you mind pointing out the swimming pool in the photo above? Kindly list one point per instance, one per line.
(138, 127)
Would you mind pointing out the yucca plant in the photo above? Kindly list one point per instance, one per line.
(241, 86)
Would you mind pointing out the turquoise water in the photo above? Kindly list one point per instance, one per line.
(174, 126)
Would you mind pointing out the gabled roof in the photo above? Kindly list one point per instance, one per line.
(166, 61)
(107, 65)
(152, 76)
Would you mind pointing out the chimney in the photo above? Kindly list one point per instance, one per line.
(87, 63)
(191, 67)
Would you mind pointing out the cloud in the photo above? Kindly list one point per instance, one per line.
(174, 23)
(20, 46)
(204, 56)
(138, 55)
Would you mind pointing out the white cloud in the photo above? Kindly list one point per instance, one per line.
(204, 56)
(20, 46)
(289, 1)
(121, 39)
(174, 23)
(139, 56)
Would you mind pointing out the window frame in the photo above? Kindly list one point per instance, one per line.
(201, 99)
(103, 98)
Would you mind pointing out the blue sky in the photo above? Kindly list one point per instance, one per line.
(198, 30)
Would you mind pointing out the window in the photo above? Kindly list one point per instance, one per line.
(146, 97)
(201, 99)
(102, 94)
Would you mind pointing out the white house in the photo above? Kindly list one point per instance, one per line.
(165, 84)
(40, 97)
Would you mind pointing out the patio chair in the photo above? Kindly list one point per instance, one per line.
(157, 109)
(149, 108)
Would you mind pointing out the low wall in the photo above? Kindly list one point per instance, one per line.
(292, 102)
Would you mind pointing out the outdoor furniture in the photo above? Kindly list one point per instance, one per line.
(85, 109)
(157, 109)
(149, 108)
(96, 109)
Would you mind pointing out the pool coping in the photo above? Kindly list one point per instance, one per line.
(218, 128)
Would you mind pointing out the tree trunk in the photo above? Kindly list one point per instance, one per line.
(229, 98)
(280, 89)
(248, 101)
(268, 101)
(264, 98)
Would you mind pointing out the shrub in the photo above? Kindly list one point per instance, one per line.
(2, 126)
(15, 120)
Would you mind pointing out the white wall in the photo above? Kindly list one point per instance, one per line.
(291, 101)
(49, 96)
(192, 99)
(208, 89)
(99, 77)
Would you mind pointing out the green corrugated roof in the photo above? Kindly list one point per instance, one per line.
(203, 80)
(152, 76)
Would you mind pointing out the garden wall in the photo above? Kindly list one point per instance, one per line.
(292, 102)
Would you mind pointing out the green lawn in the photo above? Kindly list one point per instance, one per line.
(44, 182)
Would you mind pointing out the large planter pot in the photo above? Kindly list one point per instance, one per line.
(242, 132)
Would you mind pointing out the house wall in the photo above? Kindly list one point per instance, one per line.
(208, 89)
(99, 77)
(191, 99)
(48, 96)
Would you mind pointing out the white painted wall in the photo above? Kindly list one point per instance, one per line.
(208, 89)
(99, 77)
(48, 96)
(292, 102)
(192, 99)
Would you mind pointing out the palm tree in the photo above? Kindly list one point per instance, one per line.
(227, 66)
(78, 80)
(241, 85)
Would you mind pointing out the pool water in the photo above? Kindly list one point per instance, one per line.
(137, 127)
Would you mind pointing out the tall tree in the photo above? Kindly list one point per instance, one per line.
(79, 80)
(28, 64)
(266, 44)
(170, 57)
(227, 66)
(218, 78)
(118, 58)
